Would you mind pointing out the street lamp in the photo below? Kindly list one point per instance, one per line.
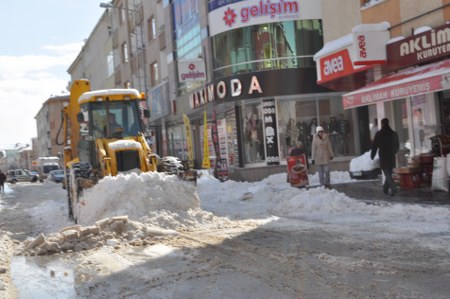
(138, 48)
(106, 5)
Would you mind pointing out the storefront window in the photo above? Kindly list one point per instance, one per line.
(298, 119)
(281, 45)
(177, 142)
(445, 112)
(422, 143)
(253, 137)
(400, 125)
(224, 150)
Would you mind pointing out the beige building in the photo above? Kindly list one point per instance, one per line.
(48, 122)
(130, 47)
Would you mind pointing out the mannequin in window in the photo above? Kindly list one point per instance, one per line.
(293, 132)
(333, 131)
(253, 134)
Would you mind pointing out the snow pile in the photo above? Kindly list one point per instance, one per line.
(137, 195)
(364, 162)
(109, 231)
(269, 202)
(6, 252)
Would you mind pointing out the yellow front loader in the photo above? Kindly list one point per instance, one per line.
(103, 136)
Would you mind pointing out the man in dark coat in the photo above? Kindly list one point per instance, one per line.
(387, 144)
(2, 182)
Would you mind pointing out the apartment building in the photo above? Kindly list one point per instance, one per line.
(48, 123)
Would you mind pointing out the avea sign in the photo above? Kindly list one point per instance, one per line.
(236, 14)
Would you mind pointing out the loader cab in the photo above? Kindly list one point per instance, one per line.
(109, 120)
(118, 119)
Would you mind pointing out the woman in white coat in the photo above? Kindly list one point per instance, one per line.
(321, 156)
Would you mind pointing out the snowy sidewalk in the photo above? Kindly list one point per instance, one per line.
(373, 191)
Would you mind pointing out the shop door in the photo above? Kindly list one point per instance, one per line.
(364, 130)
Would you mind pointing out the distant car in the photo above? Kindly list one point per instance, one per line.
(56, 176)
(21, 175)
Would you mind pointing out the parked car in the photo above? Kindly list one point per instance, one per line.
(56, 176)
(21, 175)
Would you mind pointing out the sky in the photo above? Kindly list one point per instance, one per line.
(40, 40)
(157, 207)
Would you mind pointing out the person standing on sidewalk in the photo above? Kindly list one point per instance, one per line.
(2, 182)
(321, 155)
(387, 144)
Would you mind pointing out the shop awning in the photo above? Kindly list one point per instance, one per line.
(335, 67)
(416, 81)
(347, 63)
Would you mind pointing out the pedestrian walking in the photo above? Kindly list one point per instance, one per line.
(2, 182)
(321, 155)
(387, 144)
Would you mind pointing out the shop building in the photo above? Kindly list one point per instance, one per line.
(261, 87)
(408, 83)
(254, 68)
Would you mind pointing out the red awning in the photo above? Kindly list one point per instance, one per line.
(415, 81)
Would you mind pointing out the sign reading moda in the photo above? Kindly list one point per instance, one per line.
(228, 15)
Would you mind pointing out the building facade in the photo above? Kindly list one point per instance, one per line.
(407, 85)
(254, 69)
(48, 122)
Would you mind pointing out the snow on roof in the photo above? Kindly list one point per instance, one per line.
(347, 40)
(371, 27)
(422, 30)
(107, 92)
(334, 45)
(395, 39)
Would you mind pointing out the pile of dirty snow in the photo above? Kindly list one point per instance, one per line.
(109, 231)
(136, 195)
(6, 252)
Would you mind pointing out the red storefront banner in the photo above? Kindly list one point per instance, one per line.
(416, 81)
(337, 65)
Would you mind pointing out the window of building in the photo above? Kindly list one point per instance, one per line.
(368, 3)
(110, 64)
(151, 28)
(177, 145)
(122, 14)
(187, 36)
(298, 119)
(253, 133)
(279, 45)
(154, 73)
(125, 54)
(445, 111)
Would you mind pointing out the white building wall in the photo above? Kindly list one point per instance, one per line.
(339, 17)
(91, 62)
